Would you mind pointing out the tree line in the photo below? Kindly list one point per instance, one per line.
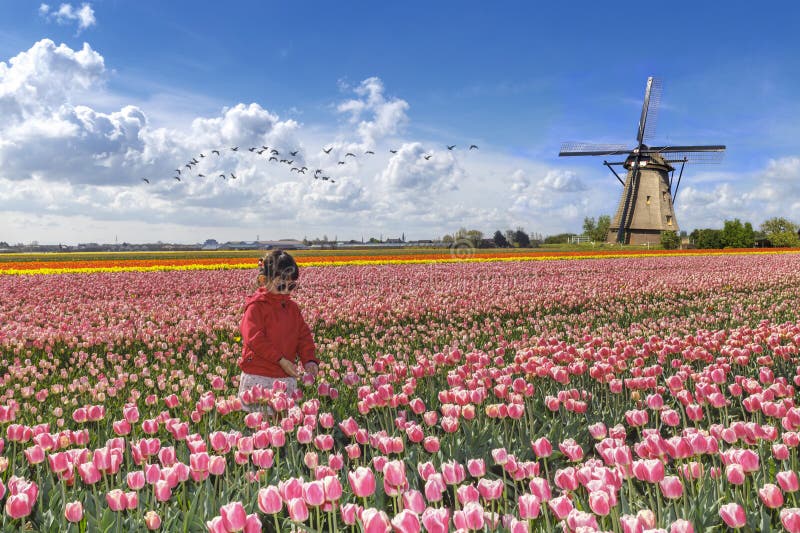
(776, 232)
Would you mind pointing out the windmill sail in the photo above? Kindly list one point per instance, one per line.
(645, 207)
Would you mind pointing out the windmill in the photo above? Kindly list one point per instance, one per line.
(646, 206)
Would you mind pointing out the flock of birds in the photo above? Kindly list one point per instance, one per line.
(274, 156)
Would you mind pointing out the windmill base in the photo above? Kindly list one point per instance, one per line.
(636, 236)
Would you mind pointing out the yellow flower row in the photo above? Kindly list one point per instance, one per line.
(367, 262)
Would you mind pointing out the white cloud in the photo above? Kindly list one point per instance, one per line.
(72, 150)
(67, 13)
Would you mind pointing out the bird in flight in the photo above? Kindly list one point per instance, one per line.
(252, 149)
(293, 169)
(369, 152)
(202, 155)
(318, 171)
(177, 178)
(145, 180)
(333, 181)
(283, 160)
(301, 171)
(201, 175)
(178, 170)
(348, 154)
(215, 152)
(289, 162)
(235, 149)
(428, 157)
(273, 158)
(275, 152)
(328, 150)
(341, 162)
(188, 166)
(393, 151)
(451, 147)
(222, 176)
(260, 152)
(233, 176)
(471, 146)
(293, 154)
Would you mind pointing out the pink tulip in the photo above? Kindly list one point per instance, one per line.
(116, 500)
(162, 491)
(476, 467)
(395, 473)
(350, 513)
(599, 502)
(771, 496)
(18, 505)
(362, 482)
(406, 522)
(73, 511)
(233, 516)
(297, 509)
(314, 493)
(733, 515)
(681, 526)
(269, 500)
(436, 519)
(542, 447)
(560, 506)
(790, 518)
(414, 501)
(135, 479)
(787, 480)
(152, 521)
(216, 465)
(215, 525)
(375, 521)
(470, 517)
(671, 487)
(252, 524)
(734, 473)
(529, 506)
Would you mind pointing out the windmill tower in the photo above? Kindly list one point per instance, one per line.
(647, 203)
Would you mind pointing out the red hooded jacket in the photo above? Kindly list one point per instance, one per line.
(273, 327)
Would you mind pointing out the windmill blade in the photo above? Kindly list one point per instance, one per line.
(652, 92)
(576, 148)
(708, 158)
(710, 154)
(654, 103)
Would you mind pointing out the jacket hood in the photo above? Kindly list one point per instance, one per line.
(263, 295)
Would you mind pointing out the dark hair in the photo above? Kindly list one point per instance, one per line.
(279, 264)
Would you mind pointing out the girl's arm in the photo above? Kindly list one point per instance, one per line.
(254, 336)
(305, 343)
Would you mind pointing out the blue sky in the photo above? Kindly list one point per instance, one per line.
(516, 78)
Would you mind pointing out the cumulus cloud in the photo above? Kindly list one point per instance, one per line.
(64, 157)
(67, 14)
(385, 117)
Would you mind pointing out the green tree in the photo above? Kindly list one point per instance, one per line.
(521, 238)
(670, 240)
(781, 232)
(706, 238)
(597, 231)
(737, 235)
(561, 238)
(475, 237)
(500, 240)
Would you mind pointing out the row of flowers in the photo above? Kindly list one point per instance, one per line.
(81, 266)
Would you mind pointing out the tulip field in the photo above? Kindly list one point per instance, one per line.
(623, 394)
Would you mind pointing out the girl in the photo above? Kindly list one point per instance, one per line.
(273, 331)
